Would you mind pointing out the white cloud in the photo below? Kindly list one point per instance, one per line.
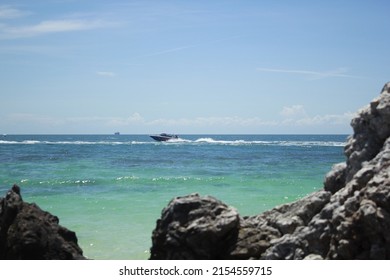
(8, 12)
(339, 72)
(136, 122)
(181, 48)
(33, 119)
(48, 120)
(167, 51)
(211, 121)
(326, 119)
(72, 22)
(293, 111)
(134, 119)
(50, 26)
(106, 74)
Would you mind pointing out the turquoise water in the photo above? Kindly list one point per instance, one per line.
(111, 189)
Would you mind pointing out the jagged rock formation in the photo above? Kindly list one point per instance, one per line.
(348, 219)
(27, 232)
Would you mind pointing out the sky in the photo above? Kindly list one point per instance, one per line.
(190, 67)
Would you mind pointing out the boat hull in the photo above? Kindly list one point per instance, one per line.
(160, 138)
(163, 137)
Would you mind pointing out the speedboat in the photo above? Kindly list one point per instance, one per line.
(164, 137)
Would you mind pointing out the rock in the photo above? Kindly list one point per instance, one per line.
(27, 232)
(349, 219)
(354, 224)
(335, 179)
(371, 129)
(195, 227)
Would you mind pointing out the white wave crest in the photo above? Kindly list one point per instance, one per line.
(271, 143)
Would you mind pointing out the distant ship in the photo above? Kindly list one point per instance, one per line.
(117, 133)
(164, 137)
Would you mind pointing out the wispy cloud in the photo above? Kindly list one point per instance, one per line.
(296, 115)
(211, 122)
(293, 111)
(50, 26)
(328, 119)
(106, 74)
(8, 12)
(137, 122)
(181, 48)
(10, 29)
(135, 118)
(33, 119)
(339, 72)
(168, 51)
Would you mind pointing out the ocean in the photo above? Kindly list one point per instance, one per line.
(110, 189)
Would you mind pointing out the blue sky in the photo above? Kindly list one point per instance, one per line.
(253, 67)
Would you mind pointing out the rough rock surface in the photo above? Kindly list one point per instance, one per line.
(348, 219)
(27, 232)
(195, 227)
